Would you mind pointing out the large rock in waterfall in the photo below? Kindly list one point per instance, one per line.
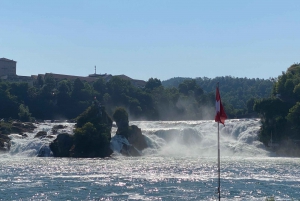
(130, 138)
(61, 146)
(4, 143)
(91, 136)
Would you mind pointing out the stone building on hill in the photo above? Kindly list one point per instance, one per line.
(7, 67)
(8, 72)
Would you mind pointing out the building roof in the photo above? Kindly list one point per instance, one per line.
(71, 77)
(4, 59)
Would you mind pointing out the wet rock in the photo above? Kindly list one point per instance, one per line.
(57, 127)
(41, 134)
(61, 146)
(19, 127)
(4, 143)
(133, 134)
(24, 135)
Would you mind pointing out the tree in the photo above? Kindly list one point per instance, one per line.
(250, 105)
(294, 116)
(120, 115)
(90, 142)
(24, 114)
(78, 86)
(152, 83)
(100, 86)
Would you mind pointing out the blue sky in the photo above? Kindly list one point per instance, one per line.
(144, 39)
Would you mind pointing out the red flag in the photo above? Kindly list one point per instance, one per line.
(220, 112)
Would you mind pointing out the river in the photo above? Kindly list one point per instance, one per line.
(181, 164)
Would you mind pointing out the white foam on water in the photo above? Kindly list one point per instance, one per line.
(239, 137)
(30, 146)
(199, 138)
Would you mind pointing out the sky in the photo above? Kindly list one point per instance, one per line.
(151, 39)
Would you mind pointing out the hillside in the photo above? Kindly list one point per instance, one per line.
(234, 91)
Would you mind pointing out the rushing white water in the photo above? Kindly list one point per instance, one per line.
(199, 138)
(180, 164)
(166, 138)
(30, 146)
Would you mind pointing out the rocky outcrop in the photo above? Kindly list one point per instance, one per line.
(4, 142)
(136, 140)
(62, 145)
(91, 137)
(134, 136)
(41, 134)
(20, 128)
(57, 127)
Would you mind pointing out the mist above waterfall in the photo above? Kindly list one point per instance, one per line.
(199, 138)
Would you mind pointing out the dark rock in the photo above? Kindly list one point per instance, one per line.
(19, 127)
(41, 134)
(4, 143)
(4, 137)
(61, 146)
(135, 138)
(132, 133)
(24, 135)
(57, 127)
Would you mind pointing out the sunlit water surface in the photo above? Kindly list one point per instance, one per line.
(180, 164)
(148, 178)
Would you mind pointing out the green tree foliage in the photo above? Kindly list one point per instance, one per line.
(8, 103)
(120, 114)
(294, 118)
(280, 112)
(152, 83)
(90, 142)
(92, 134)
(100, 86)
(188, 99)
(234, 91)
(64, 99)
(77, 92)
(24, 114)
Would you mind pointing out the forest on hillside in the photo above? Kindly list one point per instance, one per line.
(237, 93)
(191, 99)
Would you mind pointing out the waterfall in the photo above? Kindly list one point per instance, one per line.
(239, 137)
(32, 146)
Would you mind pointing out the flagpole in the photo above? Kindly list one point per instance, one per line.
(219, 177)
(219, 192)
(220, 118)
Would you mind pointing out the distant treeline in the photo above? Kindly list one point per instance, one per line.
(174, 99)
(238, 94)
